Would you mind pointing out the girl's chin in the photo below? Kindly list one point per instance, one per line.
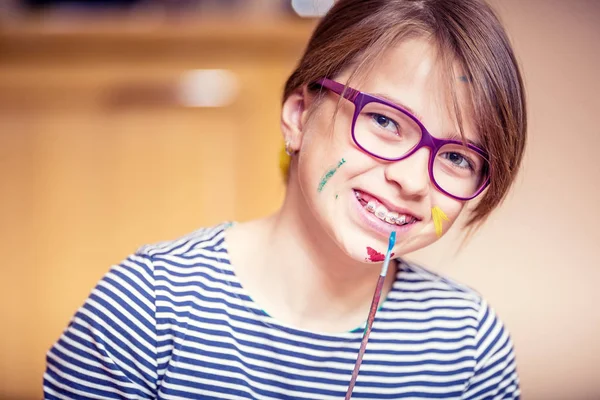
(367, 251)
(372, 250)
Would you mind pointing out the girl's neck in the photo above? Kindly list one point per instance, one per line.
(295, 271)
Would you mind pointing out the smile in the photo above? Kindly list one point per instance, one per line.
(372, 205)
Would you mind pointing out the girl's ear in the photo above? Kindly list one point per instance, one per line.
(293, 117)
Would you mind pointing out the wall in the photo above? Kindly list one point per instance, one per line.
(537, 259)
(98, 157)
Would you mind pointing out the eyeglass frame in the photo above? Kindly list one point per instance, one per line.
(361, 99)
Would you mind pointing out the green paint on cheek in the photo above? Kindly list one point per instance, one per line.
(325, 178)
(328, 175)
(336, 196)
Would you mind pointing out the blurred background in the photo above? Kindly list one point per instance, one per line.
(125, 122)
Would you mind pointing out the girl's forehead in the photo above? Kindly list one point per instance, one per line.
(411, 63)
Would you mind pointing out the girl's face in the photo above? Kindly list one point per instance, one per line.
(338, 179)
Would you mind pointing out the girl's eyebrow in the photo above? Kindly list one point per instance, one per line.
(456, 136)
(399, 104)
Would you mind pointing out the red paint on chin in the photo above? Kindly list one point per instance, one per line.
(376, 256)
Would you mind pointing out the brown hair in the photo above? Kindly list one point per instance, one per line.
(355, 32)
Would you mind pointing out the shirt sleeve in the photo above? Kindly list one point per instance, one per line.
(108, 350)
(495, 375)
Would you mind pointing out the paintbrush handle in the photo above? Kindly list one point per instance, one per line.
(366, 333)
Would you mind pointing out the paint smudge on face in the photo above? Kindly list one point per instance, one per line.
(375, 256)
(329, 174)
(336, 196)
(438, 216)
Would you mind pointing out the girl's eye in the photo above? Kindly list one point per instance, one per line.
(458, 160)
(385, 122)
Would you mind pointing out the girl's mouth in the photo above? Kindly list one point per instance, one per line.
(372, 205)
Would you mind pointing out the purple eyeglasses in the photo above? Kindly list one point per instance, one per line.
(388, 132)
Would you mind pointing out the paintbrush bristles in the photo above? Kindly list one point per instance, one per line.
(388, 255)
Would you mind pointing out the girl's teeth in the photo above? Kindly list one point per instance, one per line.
(381, 212)
(391, 217)
(371, 205)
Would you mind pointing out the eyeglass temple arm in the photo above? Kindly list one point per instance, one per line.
(342, 90)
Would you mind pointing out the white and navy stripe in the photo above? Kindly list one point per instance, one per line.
(173, 322)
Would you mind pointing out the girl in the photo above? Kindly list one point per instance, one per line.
(398, 114)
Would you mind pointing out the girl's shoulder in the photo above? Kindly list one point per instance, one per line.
(419, 288)
(203, 239)
(198, 258)
(411, 272)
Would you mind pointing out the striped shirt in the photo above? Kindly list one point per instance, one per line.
(173, 322)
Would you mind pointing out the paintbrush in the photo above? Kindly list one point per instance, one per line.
(371, 317)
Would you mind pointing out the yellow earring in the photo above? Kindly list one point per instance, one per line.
(438, 216)
(288, 148)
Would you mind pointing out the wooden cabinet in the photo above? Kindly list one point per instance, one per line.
(99, 155)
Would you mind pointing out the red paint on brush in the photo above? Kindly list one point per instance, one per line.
(376, 256)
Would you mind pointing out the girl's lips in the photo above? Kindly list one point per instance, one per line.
(374, 224)
(388, 205)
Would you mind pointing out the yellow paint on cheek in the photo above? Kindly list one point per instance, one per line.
(438, 216)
